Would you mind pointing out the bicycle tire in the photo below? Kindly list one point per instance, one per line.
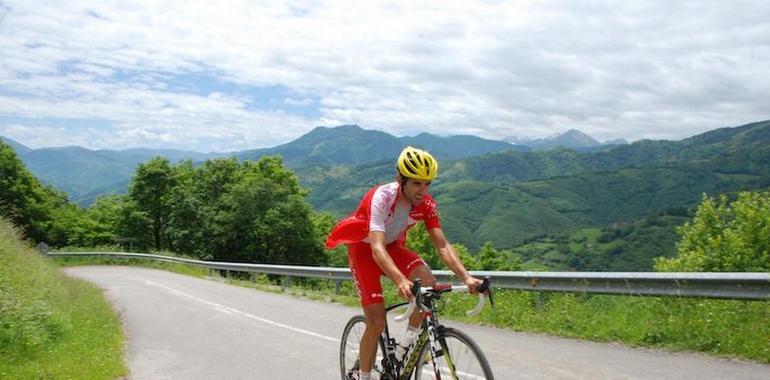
(351, 337)
(464, 354)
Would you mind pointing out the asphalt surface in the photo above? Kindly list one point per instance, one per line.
(180, 327)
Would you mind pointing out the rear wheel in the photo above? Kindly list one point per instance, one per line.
(460, 358)
(351, 338)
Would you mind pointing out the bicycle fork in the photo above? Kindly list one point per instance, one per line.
(438, 350)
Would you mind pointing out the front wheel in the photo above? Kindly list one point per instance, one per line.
(460, 358)
(351, 338)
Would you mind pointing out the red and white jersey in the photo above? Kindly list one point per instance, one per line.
(393, 219)
(378, 211)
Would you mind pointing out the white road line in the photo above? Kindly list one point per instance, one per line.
(226, 309)
(230, 310)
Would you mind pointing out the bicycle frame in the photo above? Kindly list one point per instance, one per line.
(433, 338)
(430, 333)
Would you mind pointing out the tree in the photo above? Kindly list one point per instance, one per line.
(267, 217)
(725, 236)
(490, 258)
(102, 222)
(43, 213)
(185, 228)
(323, 223)
(150, 190)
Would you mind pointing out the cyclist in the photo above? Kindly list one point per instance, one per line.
(375, 235)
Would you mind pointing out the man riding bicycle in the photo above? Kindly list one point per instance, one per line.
(376, 239)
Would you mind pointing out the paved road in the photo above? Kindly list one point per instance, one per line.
(180, 327)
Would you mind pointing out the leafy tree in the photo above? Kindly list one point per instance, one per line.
(490, 258)
(131, 223)
(43, 213)
(249, 212)
(725, 236)
(267, 217)
(102, 222)
(150, 190)
(322, 225)
(200, 208)
(185, 222)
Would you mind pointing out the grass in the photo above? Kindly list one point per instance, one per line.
(729, 328)
(52, 326)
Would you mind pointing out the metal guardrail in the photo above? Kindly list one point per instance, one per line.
(747, 286)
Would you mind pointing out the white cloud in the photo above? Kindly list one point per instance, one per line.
(612, 69)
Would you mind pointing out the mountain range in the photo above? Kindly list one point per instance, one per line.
(85, 174)
(511, 197)
(491, 191)
(571, 139)
(351, 144)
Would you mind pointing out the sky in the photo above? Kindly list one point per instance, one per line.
(235, 75)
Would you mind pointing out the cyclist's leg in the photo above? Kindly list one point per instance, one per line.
(366, 274)
(375, 324)
(413, 267)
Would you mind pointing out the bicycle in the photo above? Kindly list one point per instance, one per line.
(439, 352)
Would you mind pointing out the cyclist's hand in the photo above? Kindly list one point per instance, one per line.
(472, 283)
(405, 289)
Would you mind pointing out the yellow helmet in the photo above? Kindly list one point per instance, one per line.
(417, 164)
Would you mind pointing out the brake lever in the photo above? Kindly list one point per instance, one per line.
(415, 302)
(486, 287)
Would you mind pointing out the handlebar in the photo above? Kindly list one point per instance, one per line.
(418, 292)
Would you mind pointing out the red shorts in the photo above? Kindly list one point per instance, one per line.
(366, 272)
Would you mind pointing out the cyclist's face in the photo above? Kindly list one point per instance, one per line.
(415, 189)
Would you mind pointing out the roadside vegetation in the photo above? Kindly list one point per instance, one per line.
(52, 326)
(729, 328)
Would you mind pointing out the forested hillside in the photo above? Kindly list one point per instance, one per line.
(514, 198)
(607, 210)
(85, 174)
(40, 212)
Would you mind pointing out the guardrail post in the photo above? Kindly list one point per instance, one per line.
(286, 282)
(337, 286)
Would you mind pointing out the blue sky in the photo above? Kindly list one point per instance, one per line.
(249, 74)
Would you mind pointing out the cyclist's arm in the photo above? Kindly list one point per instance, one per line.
(385, 262)
(449, 256)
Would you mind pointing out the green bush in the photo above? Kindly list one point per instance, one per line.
(725, 236)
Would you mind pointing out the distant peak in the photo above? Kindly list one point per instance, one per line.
(339, 127)
(618, 141)
(574, 133)
(349, 126)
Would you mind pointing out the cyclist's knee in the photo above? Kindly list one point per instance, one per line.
(376, 324)
(375, 317)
